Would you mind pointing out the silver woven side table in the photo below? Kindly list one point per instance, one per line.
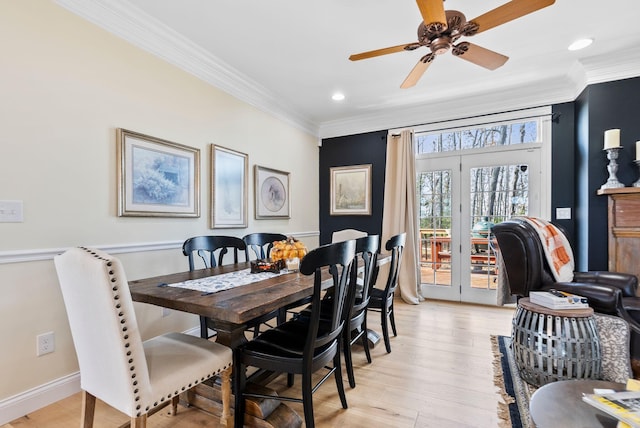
(550, 345)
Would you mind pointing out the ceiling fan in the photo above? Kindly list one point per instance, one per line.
(440, 29)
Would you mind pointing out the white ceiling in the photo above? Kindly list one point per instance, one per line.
(288, 56)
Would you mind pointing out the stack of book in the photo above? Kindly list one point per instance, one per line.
(623, 405)
(554, 299)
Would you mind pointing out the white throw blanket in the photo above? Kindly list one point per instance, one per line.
(556, 249)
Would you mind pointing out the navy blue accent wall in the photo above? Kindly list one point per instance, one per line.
(563, 166)
(600, 107)
(579, 167)
(361, 149)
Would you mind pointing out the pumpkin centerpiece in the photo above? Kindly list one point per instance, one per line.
(288, 249)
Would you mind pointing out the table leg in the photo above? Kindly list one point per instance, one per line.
(231, 335)
(373, 337)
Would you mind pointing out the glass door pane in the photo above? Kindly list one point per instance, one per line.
(435, 226)
(438, 181)
(500, 186)
(460, 197)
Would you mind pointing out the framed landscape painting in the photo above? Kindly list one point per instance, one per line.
(351, 190)
(156, 178)
(228, 188)
(272, 193)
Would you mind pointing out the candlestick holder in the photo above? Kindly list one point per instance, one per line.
(612, 181)
(637, 183)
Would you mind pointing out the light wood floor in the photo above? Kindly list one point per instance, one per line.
(439, 374)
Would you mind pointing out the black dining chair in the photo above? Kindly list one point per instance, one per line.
(211, 250)
(382, 299)
(303, 345)
(366, 250)
(260, 244)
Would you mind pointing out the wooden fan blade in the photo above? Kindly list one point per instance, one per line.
(418, 71)
(480, 56)
(508, 12)
(433, 13)
(384, 51)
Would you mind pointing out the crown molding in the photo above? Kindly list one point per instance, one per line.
(624, 64)
(515, 97)
(131, 24)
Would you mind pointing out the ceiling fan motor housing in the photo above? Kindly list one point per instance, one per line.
(438, 38)
(440, 45)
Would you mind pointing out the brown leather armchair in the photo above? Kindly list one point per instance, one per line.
(527, 270)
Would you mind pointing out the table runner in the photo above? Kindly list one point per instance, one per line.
(225, 281)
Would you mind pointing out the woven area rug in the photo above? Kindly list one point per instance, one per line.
(513, 410)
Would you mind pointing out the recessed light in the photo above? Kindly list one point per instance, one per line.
(338, 96)
(580, 44)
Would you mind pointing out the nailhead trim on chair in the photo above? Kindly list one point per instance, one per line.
(123, 321)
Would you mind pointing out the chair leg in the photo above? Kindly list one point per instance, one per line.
(348, 362)
(385, 329)
(239, 382)
(282, 315)
(88, 409)
(204, 331)
(307, 399)
(139, 422)
(225, 417)
(365, 339)
(392, 317)
(338, 375)
(174, 405)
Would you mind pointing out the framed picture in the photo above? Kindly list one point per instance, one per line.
(156, 178)
(351, 190)
(272, 193)
(229, 172)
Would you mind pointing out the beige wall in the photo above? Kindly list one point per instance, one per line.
(65, 87)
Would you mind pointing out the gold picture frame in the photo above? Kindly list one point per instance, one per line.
(350, 190)
(156, 177)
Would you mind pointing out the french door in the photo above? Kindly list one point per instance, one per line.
(460, 197)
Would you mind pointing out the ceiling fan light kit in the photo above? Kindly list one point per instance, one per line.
(441, 29)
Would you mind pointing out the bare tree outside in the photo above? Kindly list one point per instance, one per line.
(497, 192)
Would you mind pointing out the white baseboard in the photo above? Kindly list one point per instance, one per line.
(38, 397)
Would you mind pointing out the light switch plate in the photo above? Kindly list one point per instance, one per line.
(11, 212)
(563, 213)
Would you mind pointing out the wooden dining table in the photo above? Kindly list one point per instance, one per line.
(230, 310)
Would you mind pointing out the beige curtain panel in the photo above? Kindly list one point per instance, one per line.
(400, 210)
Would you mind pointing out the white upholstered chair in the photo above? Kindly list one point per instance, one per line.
(116, 366)
(347, 235)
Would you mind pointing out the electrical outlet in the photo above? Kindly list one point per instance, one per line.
(45, 343)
